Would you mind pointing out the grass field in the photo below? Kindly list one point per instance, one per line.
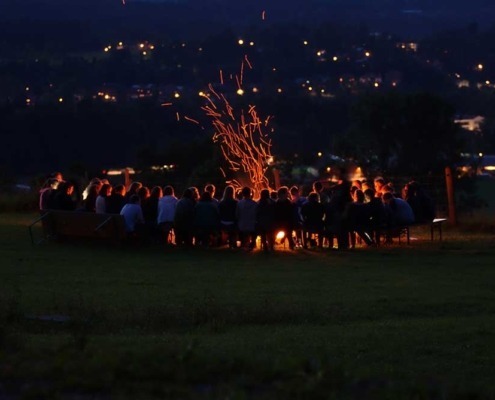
(88, 321)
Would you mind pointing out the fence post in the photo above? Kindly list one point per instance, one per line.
(449, 180)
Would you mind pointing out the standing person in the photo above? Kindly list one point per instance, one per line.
(210, 188)
(227, 209)
(284, 215)
(166, 213)
(116, 201)
(246, 219)
(206, 219)
(216, 235)
(313, 213)
(337, 206)
(264, 220)
(184, 219)
(150, 212)
(133, 216)
(318, 188)
(102, 199)
(195, 193)
(298, 202)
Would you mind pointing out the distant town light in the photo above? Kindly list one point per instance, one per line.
(376, 84)
(335, 58)
(241, 42)
(201, 94)
(240, 92)
(305, 43)
(27, 88)
(60, 100)
(121, 44)
(144, 53)
(367, 54)
(480, 67)
(106, 49)
(251, 43)
(152, 47)
(480, 154)
(320, 154)
(176, 95)
(279, 90)
(141, 45)
(255, 90)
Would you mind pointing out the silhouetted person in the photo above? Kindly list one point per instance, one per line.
(227, 209)
(246, 219)
(116, 201)
(312, 213)
(284, 215)
(265, 220)
(184, 219)
(166, 212)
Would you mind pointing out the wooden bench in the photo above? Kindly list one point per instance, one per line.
(405, 230)
(61, 225)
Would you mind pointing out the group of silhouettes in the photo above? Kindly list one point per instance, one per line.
(346, 212)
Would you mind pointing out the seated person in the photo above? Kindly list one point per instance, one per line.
(357, 217)
(398, 212)
(421, 204)
(63, 199)
(133, 215)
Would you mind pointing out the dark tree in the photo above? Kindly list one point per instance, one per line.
(404, 134)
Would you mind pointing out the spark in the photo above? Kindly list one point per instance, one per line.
(221, 77)
(191, 120)
(177, 115)
(247, 62)
(166, 104)
(263, 15)
(244, 144)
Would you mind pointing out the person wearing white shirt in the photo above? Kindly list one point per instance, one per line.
(133, 214)
(166, 211)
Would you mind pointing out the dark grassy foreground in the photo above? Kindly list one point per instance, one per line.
(85, 321)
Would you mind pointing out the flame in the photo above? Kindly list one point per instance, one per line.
(280, 235)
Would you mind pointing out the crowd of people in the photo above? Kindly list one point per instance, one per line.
(346, 212)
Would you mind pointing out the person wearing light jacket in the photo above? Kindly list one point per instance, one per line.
(166, 212)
